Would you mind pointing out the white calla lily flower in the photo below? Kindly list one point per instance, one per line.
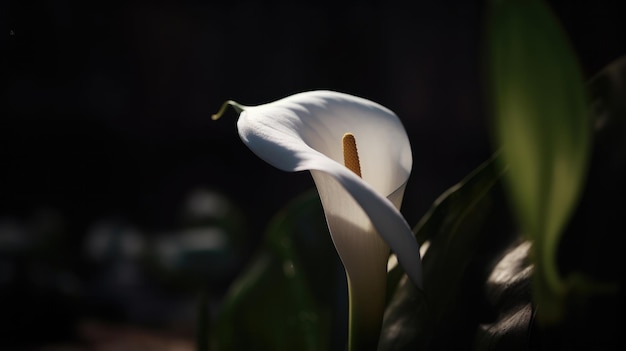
(361, 202)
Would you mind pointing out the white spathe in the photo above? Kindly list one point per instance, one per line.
(304, 132)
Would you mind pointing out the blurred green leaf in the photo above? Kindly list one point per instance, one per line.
(478, 270)
(542, 125)
(596, 278)
(597, 225)
(462, 228)
(591, 252)
(285, 299)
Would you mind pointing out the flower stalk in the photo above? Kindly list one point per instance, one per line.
(360, 189)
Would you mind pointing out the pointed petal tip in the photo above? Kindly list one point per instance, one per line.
(237, 106)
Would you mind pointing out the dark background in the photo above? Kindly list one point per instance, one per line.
(105, 111)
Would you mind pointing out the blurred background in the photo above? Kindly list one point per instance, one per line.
(121, 201)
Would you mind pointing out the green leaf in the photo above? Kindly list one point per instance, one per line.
(458, 229)
(285, 299)
(508, 295)
(463, 227)
(541, 124)
(406, 325)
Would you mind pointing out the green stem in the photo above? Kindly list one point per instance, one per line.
(366, 315)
